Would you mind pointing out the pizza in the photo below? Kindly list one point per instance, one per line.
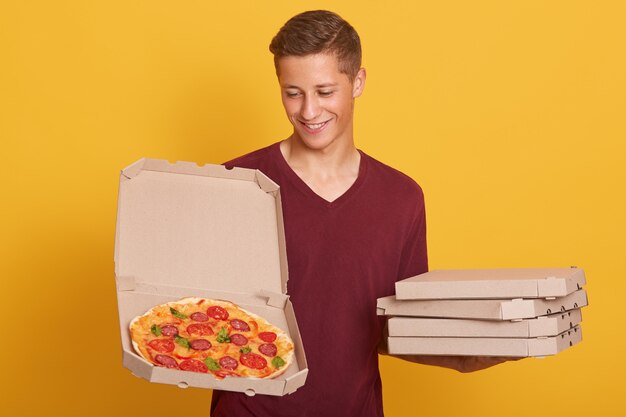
(211, 336)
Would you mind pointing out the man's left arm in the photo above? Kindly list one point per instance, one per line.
(462, 364)
(414, 261)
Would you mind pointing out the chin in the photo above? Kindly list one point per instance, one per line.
(315, 142)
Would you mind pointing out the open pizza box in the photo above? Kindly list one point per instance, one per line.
(484, 346)
(491, 283)
(185, 230)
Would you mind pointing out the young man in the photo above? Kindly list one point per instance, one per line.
(353, 225)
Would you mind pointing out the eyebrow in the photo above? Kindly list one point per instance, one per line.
(324, 85)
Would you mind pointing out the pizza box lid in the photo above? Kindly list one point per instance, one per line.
(512, 309)
(550, 325)
(479, 346)
(491, 283)
(200, 227)
(204, 231)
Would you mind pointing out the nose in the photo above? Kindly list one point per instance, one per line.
(310, 107)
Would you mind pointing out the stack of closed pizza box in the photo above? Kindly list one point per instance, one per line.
(185, 230)
(524, 312)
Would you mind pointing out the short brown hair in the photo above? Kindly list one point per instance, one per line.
(319, 31)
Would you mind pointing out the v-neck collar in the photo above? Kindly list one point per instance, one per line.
(308, 192)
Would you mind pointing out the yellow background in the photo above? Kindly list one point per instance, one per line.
(511, 115)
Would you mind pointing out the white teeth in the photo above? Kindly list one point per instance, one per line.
(315, 126)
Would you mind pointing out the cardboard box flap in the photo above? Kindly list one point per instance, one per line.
(200, 227)
(191, 168)
(491, 283)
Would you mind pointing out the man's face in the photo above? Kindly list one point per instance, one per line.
(318, 99)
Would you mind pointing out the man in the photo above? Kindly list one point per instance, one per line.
(353, 227)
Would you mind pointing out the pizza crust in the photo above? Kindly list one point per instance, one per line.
(140, 327)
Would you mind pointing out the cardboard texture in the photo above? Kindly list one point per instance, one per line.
(481, 309)
(491, 284)
(203, 231)
(482, 346)
(550, 325)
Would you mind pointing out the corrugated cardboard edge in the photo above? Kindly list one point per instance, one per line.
(555, 324)
(450, 327)
(191, 168)
(522, 309)
(481, 309)
(476, 346)
(282, 244)
(293, 382)
(544, 326)
(553, 345)
(251, 386)
(469, 309)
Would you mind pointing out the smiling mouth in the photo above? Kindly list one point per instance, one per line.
(314, 127)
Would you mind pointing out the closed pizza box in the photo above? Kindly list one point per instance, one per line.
(491, 283)
(479, 346)
(519, 308)
(185, 230)
(550, 325)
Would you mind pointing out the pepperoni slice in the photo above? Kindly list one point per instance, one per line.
(229, 363)
(194, 366)
(217, 312)
(169, 330)
(238, 339)
(223, 373)
(268, 349)
(166, 361)
(200, 329)
(162, 345)
(200, 344)
(181, 357)
(240, 325)
(199, 316)
(253, 360)
(267, 336)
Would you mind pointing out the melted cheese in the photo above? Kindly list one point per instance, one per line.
(141, 334)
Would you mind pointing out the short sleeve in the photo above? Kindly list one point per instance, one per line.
(414, 259)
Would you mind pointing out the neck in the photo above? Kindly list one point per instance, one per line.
(330, 161)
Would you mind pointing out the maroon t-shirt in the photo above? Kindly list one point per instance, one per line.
(342, 256)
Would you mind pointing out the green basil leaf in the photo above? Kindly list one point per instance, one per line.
(278, 362)
(245, 349)
(222, 336)
(177, 313)
(212, 364)
(182, 341)
(156, 330)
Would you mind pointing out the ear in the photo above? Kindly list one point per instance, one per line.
(359, 83)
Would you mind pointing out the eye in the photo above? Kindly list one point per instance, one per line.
(292, 94)
(325, 93)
